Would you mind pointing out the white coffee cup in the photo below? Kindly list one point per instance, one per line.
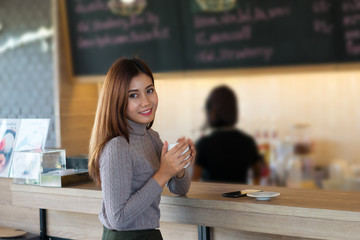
(173, 145)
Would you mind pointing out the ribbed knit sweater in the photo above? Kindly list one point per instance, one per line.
(131, 197)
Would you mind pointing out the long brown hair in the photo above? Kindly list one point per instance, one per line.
(110, 119)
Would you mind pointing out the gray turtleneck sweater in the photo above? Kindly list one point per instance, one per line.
(131, 197)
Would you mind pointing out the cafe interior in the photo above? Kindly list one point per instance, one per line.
(303, 114)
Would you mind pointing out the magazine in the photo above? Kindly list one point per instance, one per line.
(31, 136)
(26, 165)
(8, 133)
(19, 135)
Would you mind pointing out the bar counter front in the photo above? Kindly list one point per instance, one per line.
(72, 212)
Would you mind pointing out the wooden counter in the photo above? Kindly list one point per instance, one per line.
(296, 213)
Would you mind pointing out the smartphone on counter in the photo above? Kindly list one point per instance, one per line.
(241, 193)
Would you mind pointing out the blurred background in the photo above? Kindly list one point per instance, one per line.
(304, 116)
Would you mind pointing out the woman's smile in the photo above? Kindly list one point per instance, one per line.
(146, 112)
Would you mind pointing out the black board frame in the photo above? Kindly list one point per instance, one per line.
(231, 68)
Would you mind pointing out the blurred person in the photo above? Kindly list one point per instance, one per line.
(226, 154)
(128, 159)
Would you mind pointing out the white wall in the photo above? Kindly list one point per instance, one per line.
(325, 97)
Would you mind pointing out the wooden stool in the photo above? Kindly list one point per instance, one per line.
(14, 234)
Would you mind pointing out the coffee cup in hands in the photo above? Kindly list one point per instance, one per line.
(173, 145)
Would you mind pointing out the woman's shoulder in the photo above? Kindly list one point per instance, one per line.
(115, 151)
(117, 142)
(116, 146)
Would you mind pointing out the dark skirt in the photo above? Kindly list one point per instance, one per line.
(151, 234)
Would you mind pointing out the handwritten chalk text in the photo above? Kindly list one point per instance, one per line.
(242, 16)
(351, 6)
(352, 48)
(94, 6)
(203, 39)
(352, 20)
(133, 36)
(353, 34)
(149, 19)
(322, 26)
(321, 6)
(223, 55)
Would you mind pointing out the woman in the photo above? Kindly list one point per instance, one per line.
(128, 159)
(227, 153)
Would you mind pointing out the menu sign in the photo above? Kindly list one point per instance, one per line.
(99, 35)
(260, 33)
(351, 25)
(201, 34)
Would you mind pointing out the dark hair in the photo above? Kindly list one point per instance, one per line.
(221, 107)
(110, 119)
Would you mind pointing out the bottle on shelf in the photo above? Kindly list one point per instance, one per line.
(300, 163)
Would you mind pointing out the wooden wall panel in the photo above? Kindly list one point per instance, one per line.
(78, 101)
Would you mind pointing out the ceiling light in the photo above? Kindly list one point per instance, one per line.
(127, 7)
(216, 5)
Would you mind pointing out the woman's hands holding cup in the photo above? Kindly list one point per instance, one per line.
(174, 160)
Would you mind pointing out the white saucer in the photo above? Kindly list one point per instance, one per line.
(263, 195)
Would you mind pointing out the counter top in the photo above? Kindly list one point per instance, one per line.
(313, 214)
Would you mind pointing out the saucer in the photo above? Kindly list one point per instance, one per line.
(263, 195)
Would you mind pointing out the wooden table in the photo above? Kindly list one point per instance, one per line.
(296, 213)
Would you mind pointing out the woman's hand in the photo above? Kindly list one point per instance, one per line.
(173, 162)
(193, 152)
(191, 158)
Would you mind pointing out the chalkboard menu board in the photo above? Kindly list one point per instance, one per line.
(98, 36)
(210, 34)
